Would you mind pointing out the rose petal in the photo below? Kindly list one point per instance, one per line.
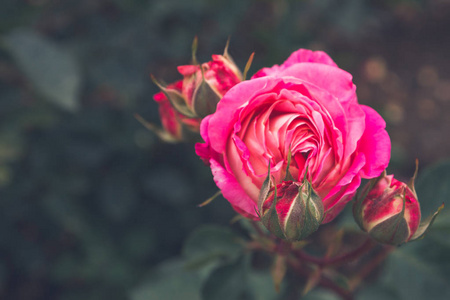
(297, 57)
(375, 144)
(231, 189)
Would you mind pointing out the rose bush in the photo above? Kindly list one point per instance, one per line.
(306, 106)
(185, 102)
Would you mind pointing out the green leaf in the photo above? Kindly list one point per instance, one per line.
(227, 282)
(52, 71)
(170, 281)
(209, 244)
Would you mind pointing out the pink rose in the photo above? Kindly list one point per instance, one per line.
(307, 106)
(185, 102)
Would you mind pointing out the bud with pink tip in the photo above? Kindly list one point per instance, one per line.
(183, 104)
(290, 210)
(390, 211)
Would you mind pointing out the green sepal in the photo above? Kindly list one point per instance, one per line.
(394, 230)
(270, 219)
(315, 210)
(248, 65)
(161, 133)
(210, 199)
(295, 220)
(386, 234)
(264, 192)
(194, 51)
(305, 215)
(288, 175)
(411, 181)
(176, 99)
(225, 50)
(425, 225)
(205, 98)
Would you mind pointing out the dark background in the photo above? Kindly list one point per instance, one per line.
(90, 201)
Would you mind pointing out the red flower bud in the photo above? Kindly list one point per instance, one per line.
(390, 212)
(186, 102)
(292, 210)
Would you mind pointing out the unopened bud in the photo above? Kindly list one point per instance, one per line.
(390, 211)
(183, 104)
(292, 210)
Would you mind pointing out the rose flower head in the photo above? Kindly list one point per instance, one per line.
(389, 211)
(183, 104)
(290, 210)
(302, 114)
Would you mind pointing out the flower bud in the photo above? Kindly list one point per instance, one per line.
(292, 210)
(185, 103)
(390, 212)
(173, 121)
(204, 85)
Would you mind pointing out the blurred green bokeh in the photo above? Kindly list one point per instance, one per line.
(90, 201)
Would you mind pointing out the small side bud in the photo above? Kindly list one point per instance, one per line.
(205, 99)
(184, 103)
(390, 211)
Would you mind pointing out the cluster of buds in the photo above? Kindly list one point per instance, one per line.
(183, 104)
(389, 211)
(290, 210)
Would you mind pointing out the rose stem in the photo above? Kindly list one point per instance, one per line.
(370, 266)
(349, 256)
(323, 281)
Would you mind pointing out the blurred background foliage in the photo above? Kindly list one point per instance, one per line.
(91, 202)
